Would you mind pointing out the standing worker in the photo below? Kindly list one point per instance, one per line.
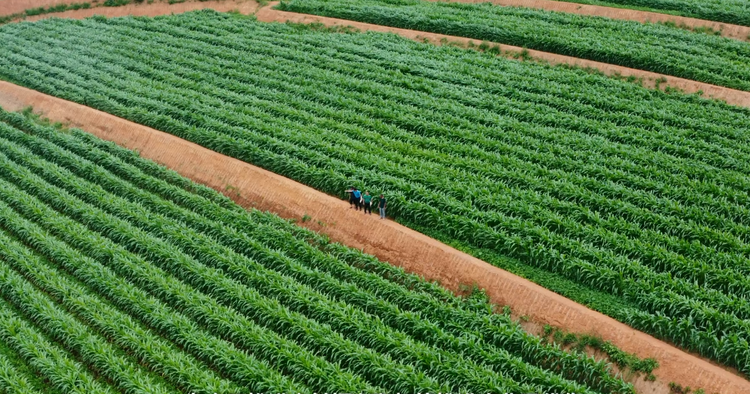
(357, 198)
(350, 190)
(367, 202)
(381, 206)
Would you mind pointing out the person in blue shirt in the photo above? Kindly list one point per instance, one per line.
(357, 198)
(351, 196)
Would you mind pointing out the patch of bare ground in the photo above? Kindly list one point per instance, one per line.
(10, 7)
(726, 29)
(157, 7)
(648, 79)
(254, 187)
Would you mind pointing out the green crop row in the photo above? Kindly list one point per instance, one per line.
(597, 181)
(653, 47)
(12, 380)
(730, 11)
(106, 253)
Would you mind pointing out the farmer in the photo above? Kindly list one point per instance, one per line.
(382, 203)
(351, 190)
(367, 202)
(357, 198)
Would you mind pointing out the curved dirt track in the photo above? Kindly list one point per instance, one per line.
(726, 29)
(9, 7)
(157, 8)
(731, 96)
(254, 187)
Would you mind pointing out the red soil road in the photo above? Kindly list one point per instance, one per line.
(158, 7)
(731, 96)
(9, 7)
(254, 187)
(726, 29)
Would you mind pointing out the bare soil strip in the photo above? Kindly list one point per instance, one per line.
(158, 7)
(251, 186)
(726, 29)
(650, 79)
(10, 7)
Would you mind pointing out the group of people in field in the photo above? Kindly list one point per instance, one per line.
(364, 201)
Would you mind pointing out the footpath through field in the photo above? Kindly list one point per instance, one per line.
(726, 29)
(9, 7)
(251, 186)
(159, 7)
(650, 79)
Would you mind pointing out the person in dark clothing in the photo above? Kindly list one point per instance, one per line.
(357, 199)
(367, 202)
(382, 203)
(351, 196)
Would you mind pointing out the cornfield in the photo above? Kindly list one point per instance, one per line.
(634, 200)
(116, 275)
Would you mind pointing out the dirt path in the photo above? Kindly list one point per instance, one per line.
(389, 241)
(650, 79)
(726, 29)
(10, 7)
(159, 7)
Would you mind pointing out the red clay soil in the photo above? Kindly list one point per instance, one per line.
(254, 187)
(10, 7)
(649, 79)
(157, 8)
(726, 29)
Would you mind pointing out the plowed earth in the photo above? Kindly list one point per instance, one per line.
(254, 187)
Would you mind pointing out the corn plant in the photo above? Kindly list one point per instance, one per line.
(11, 380)
(45, 357)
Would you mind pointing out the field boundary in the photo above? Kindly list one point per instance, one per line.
(251, 186)
(153, 9)
(727, 30)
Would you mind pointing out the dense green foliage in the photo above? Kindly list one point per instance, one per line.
(730, 11)
(116, 276)
(653, 47)
(633, 193)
